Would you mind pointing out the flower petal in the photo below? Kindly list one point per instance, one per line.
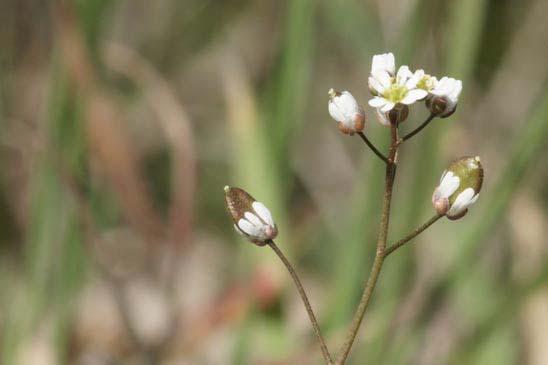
(449, 184)
(414, 95)
(377, 102)
(387, 107)
(414, 80)
(383, 78)
(249, 228)
(239, 231)
(263, 213)
(253, 219)
(375, 85)
(383, 62)
(463, 201)
(403, 75)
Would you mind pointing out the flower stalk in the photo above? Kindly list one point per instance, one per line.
(418, 129)
(373, 148)
(371, 282)
(325, 352)
(412, 235)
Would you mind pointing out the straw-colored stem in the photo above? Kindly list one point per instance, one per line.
(373, 148)
(417, 130)
(304, 297)
(381, 244)
(412, 235)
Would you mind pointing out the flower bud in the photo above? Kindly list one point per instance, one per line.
(349, 116)
(444, 97)
(251, 218)
(459, 187)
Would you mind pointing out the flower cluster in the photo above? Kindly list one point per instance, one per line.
(393, 91)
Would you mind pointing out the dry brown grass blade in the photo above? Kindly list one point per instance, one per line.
(176, 127)
(109, 144)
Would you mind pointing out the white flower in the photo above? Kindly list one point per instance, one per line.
(345, 110)
(383, 62)
(459, 187)
(445, 96)
(425, 82)
(251, 218)
(395, 90)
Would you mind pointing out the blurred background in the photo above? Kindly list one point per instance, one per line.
(122, 120)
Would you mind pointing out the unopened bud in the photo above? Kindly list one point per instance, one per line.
(251, 218)
(399, 113)
(349, 116)
(444, 97)
(459, 187)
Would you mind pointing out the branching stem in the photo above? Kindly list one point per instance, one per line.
(412, 235)
(381, 244)
(304, 297)
(372, 147)
(417, 130)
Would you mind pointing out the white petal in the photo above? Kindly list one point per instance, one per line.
(414, 95)
(403, 75)
(375, 85)
(462, 202)
(253, 219)
(474, 199)
(443, 175)
(239, 231)
(335, 112)
(383, 62)
(445, 87)
(387, 107)
(344, 107)
(249, 228)
(449, 184)
(455, 93)
(347, 102)
(377, 102)
(414, 80)
(390, 62)
(382, 118)
(383, 78)
(377, 64)
(263, 213)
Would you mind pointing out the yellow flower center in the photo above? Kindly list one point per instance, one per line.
(395, 93)
(426, 83)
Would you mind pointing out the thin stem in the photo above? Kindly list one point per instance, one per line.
(304, 297)
(381, 244)
(372, 147)
(411, 235)
(418, 129)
